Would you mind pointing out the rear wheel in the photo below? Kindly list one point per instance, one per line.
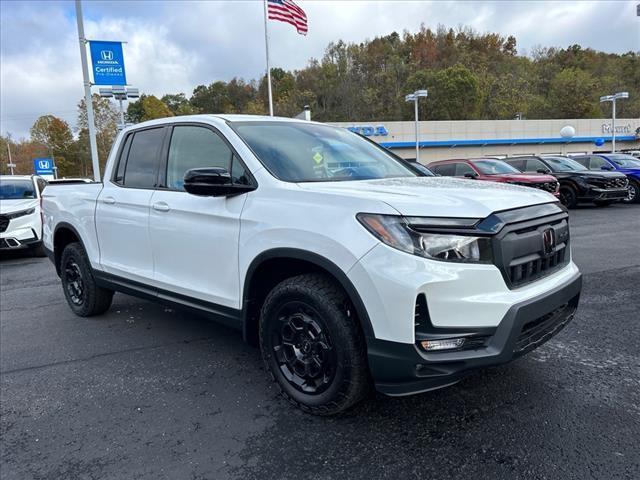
(83, 295)
(633, 193)
(313, 346)
(568, 197)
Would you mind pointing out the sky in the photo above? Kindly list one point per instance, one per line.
(174, 46)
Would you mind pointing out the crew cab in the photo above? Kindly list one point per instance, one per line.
(577, 183)
(345, 264)
(20, 213)
(494, 170)
(619, 162)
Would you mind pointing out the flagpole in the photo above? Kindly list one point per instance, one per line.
(266, 44)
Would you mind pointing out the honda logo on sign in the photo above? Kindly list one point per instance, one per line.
(44, 164)
(106, 55)
(549, 241)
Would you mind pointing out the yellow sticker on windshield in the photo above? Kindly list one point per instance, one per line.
(318, 158)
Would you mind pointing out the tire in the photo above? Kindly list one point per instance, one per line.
(38, 250)
(634, 193)
(568, 197)
(313, 346)
(84, 296)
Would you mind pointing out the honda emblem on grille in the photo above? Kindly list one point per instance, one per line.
(548, 241)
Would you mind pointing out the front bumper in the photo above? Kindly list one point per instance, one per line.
(404, 369)
(596, 194)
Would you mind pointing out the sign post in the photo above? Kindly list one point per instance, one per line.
(87, 94)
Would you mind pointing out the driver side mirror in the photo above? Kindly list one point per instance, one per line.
(470, 175)
(606, 167)
(543, 170)
(213, 182)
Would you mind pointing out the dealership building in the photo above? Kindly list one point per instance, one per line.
(440, 140)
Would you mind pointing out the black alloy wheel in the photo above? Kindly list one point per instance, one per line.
(72, 280)
(633, 193)
(302, 347)
(313, 346)
(84, 296)
(568, 197)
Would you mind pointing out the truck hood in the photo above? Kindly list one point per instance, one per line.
(10, 206)
(436, 196)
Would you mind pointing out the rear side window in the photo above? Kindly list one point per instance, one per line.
(533, 165)
(200, 147)
(446, 170)
(462, 169)
(597, 163)
(141, 167)
(519, 164)
(582, 160)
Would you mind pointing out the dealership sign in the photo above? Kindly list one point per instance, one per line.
(607, 128)
(43, 166)
(107, 63)
(369, 131)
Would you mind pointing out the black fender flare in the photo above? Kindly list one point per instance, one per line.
(318, 260)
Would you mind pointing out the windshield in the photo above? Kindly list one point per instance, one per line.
(562, 164)
(624, 161)
(494, 167)
(307, 152)
(16, 189)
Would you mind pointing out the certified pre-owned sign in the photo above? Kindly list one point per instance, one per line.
(107, 63)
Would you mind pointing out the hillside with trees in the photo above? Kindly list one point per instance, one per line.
(469, 76)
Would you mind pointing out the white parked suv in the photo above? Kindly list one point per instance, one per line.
(21, 213)
(348, 266)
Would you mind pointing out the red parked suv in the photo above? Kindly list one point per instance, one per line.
(494, 170)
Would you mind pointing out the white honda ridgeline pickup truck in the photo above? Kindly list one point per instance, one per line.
(347, 265)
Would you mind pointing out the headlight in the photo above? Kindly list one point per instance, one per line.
(21, 213)
(397, 232)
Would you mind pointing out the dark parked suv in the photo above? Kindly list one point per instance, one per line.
(577, 183)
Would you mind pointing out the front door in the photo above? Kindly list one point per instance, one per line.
(195, 239)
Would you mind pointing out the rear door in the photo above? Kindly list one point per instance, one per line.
(194, 239)
(122, 212)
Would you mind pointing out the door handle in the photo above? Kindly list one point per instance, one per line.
(109, 200)
(161, 207)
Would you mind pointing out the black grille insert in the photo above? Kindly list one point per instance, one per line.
(538, 331)
(4, 223)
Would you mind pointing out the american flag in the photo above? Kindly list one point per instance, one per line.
(287, 11)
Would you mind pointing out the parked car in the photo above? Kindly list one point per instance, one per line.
(20, 213)
(495, 170)
(343, 263)
(577, 183)
(620, 162)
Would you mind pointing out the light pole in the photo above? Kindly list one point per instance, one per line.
(612, 99)
(120, 93)
(413, 97)
(11, 165)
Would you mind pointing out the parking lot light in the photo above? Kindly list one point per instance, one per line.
(120, 93)
(612, 99)
(413, 97)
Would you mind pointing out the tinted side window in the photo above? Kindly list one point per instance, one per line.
(597, 163)
(462, 169)
(122, 162)
(195, 147)
(533, 165)
(447, 170)
(519, 164)
(142, 161)
(582, 161)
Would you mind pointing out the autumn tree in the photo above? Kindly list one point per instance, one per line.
(106, 122)
(55, 134)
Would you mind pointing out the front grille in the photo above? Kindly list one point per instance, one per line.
(538, 331)
(610, 183)
(521, 253)
(4, 223)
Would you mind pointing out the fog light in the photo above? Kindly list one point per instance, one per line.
(445, 344)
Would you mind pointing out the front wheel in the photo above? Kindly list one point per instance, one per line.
(312, 345)
(568, 197)
(83, 295)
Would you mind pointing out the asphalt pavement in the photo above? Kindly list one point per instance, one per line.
(147, 392)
